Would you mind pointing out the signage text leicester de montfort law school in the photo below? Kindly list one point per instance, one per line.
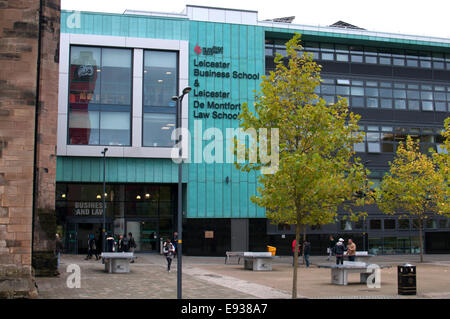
(215, 69)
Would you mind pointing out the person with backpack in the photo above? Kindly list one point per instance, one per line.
(339, 250)
(92, 247)
(110, 243)
(168, 251)
(124, 244)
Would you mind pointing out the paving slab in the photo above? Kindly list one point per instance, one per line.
(210, 278)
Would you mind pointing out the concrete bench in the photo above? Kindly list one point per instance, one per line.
(258, 261)
(361, 256)
(117, 262)
(229, 254)
(339, 273)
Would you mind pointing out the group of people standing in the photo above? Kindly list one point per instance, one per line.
(306, 251)
(339, 250)
(123, 244)
(334, 248)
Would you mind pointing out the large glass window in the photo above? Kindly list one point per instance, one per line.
(100, 96)
(160, 85)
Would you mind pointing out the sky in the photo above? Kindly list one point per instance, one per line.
(415, 17)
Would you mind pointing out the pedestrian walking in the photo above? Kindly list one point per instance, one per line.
(331, 244)
(293, 252)
(92, 247)
(168, 251)
(175, 243)
(58, 250)
(132, 244)
(339, 250)
(351, 250)
(99, 242)
(306, 252)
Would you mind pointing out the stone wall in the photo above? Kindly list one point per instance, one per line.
(19, 38)
(44, 261)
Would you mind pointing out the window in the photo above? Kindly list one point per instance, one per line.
(403, 224)
(357, 102)
(371, 91)
(386, 103)
(342, 57)
(427, 106)
(100, 96)
(359, 91)
(413, 105)
(373, 142)
(389, 224)
(384, 60)
(399, 62)
(327, 56)
(375, 224)
(412, 63)
(400, 104)
(356, 58)
(371, 59)
(431, 224)
(372, 102)
(160, 85)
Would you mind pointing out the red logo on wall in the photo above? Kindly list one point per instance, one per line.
(197, 49)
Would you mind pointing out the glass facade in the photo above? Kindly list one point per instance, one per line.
(160, 85)
(397, 93)
(100, 96)
(100, 90)
(145, 210)
(367, 54)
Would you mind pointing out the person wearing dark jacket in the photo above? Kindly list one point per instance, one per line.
(92, 247)
(168, 251)
(58, 249)
(339, 250)
(132, 244)
(331, 244)
(306, 252)
(110, 244)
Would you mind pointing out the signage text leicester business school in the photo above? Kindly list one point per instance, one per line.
(215, 69)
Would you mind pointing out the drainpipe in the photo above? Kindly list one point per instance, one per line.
(36, 130)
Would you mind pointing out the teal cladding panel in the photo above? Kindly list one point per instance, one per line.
(209, 195)
(125, 25)
(118, 170)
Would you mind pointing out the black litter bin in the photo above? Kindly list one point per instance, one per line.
(406, 279)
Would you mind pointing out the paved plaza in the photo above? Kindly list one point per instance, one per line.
(210, 278)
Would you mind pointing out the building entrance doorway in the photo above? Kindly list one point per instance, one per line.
(77, 234)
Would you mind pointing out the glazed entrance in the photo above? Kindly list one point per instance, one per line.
(148, 211)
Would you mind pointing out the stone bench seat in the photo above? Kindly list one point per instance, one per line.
(258, 261)
(117, 262)
(339, 273)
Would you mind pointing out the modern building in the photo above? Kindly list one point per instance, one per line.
(119, 72)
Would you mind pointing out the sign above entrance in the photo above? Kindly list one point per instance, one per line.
(87, 209)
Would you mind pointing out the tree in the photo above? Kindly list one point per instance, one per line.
(442, 162)
(317, 172)
(442, 159)
(413, 187)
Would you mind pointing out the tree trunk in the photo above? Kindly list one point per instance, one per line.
(420, 239)
(294, 279)
(303, 245)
